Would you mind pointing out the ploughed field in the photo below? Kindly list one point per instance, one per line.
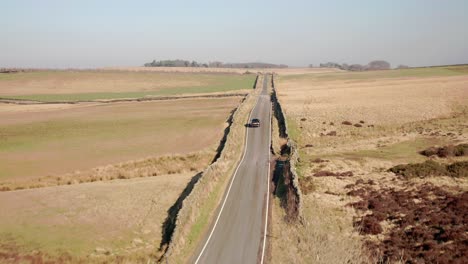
(356, 133)
(94, 181)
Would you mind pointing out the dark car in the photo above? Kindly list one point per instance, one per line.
(255, 122)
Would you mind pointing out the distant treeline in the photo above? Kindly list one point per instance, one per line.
(371, 66)
(214, 64)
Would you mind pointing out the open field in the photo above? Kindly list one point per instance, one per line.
(351, 128)
(370, 76)
(37, 141)
(88, 222)
(114, 150)
(105, 84)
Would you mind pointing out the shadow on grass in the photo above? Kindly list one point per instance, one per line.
(222, 142)
(280, 189)
(170, 223)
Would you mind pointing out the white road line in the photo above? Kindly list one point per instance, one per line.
(230, 185)
(268, 194)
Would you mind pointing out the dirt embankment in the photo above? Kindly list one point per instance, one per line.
(200, 199)
(285, 177)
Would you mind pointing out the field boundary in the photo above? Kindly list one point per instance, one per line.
(199, 207)
(293, 197)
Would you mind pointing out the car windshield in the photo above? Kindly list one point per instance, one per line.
(255, 120)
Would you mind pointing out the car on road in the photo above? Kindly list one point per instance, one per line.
(255, 122)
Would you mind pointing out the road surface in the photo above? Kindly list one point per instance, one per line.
(238, 231)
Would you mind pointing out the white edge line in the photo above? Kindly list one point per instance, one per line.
(268, 193)
(230, 185)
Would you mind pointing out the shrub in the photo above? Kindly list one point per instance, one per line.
(427, 168)
(461, 150)
(446, 151)
(429, 152)
(431, 168)
(369, 224)
(458, 169)
(421, 230)
(329, 173)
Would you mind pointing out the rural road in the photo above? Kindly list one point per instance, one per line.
(238, 231)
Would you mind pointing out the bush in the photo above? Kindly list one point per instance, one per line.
(420, 230)
(446, 151)
(369, 224)
(431, 168)
(461, 150)
(458, 169)
(427, 168)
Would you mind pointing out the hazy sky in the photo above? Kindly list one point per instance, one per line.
(96, 33)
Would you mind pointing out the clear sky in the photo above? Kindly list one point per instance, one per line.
(96, 33)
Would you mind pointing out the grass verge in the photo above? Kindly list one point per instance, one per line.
(198, 208)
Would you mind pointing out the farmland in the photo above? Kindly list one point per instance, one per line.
(86, 136)
(92, 221)
(90, 180)
(59, 86)
(351, 128)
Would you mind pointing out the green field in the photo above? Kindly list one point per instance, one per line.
(60, 86)
(56, 141)
(371, 75)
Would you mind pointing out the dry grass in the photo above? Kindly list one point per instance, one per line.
(147, 167)
(36, 143)
(89, 222)
(398, 114)
(199, 207)
(326, 236)
(111, 217)
(380, 102)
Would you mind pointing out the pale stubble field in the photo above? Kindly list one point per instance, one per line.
(392, 116)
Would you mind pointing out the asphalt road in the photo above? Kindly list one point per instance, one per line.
(238, 230)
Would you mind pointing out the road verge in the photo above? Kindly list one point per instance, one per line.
(198, 208)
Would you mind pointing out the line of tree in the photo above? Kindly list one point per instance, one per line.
(213, 64)
(376, 65)
(175, 63)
